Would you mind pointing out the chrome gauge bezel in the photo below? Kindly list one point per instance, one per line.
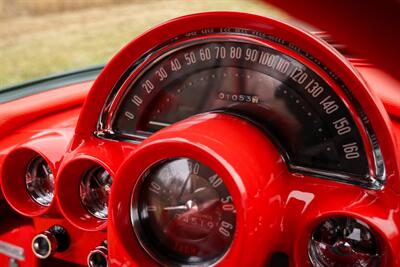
(86, 178)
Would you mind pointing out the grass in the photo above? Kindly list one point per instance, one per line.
(36, 46)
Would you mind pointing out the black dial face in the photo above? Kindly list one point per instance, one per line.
(344, 241)
(292, 103)
(184, 213)
(39, 180)
(94, 190)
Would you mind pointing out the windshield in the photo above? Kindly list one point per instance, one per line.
(45, 37)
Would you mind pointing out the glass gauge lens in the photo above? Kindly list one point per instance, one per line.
(95, 190)
(39, 180)
(184, 213)
(345, 242)
(298, 109)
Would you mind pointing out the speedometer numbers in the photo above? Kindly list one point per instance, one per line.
(184, 214)
(295, 106)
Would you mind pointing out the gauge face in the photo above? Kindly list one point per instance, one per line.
(292, 103)
(95, 188)
(39, 180)
(344, 241)
(184, 213)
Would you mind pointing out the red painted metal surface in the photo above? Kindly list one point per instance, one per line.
(40, 124)
(278, 218)
(16, 231)
(254, 179)
(277, 210)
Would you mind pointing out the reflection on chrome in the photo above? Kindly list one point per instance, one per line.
(39, 180)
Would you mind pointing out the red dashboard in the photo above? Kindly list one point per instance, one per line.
(219, 138)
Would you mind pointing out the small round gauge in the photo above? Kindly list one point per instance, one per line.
(183, 214)
(95, 190)
(344, 241)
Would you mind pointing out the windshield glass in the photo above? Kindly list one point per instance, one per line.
(44, 37)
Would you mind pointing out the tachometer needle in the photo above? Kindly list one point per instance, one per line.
(181, 207)
(199, 190)
(190, 205)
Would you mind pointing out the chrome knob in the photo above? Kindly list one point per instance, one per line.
(98, 257)
(46, 243)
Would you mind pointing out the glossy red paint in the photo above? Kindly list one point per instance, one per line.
(84, 153)
(69, 197)
(288, 207)
(309, 202)
(40, 142)
(15, 115)
(40, 124)
(18, 232)
(252, 172)
(276, 210)
(385, 86)
(13, 180)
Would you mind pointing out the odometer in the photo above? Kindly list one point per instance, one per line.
(295, 106)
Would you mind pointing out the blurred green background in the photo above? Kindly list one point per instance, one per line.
(43, 37)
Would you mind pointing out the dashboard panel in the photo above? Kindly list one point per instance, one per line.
(200, 138)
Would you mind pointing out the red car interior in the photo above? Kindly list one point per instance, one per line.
(219, 138)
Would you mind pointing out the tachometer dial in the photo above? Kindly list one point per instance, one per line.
(184, 214)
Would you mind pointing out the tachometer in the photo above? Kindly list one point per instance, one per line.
(183, 213)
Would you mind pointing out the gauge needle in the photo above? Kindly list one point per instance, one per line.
(192, 184)
(199, 190)
(184, 186)
(181, 207)
(188, 206)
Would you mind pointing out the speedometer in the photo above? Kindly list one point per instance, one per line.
(299, 103)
